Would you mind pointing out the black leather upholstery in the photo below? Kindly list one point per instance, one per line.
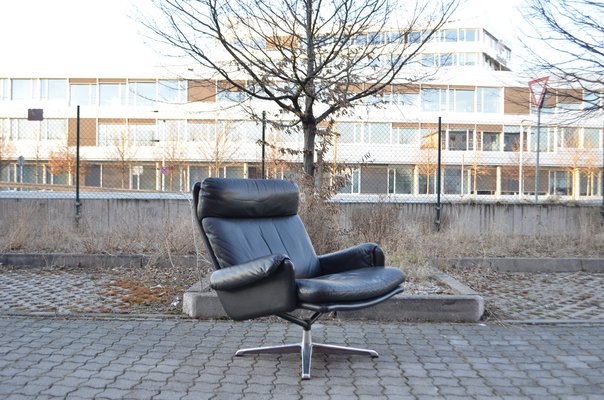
(265, 261)
(354, 285)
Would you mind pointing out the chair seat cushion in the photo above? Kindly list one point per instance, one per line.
(355, 285)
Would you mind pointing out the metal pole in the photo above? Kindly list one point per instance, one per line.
(602, 183)
(538, 151)
(438, 173)
(263, 141)
(77, 203)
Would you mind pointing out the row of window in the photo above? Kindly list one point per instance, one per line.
(506, 138)
(124, 93)
(488, 100)
(456, 180)
(393, 179)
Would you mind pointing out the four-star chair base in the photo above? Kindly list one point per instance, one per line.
(306, 347)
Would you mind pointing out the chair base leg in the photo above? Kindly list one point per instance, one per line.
(306, 348)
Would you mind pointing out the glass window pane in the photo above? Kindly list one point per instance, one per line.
(112, 94)
(490, 141)
(142, 93)
(489, 100)
(22, 89)
(82, 94)
(172, 91)
(457, 140)
(54, 89)
(461, 100)
(591, 138)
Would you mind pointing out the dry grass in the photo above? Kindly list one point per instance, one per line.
(414, 246)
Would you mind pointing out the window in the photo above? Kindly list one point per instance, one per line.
(232, 94)
(427, 182)
(408, 136)
(568, 137)
(491, 141)
(375, 38)
(364, 133)
(461, 100)
(448, 60)
(142, 93)
(468, 35)
(452, 180)
(414, 37)
(591, 100)
(142, 134)
(4, 89)
(22, 89)
(512, 139)
(429, 60)
(201, 131)
(112, 134)
(588, 182)
(404, 99)
(543, 142)
(400, 180)
(54, 89)
(488, 100)
(360, 40)
(82, 94)
(172, 91)
(468, 58)
(434, 99)
(458, 140)
(448, 35)
(53, 129)
(591, 138)
(113, 94)
(352, 182)
(22, 129)
(559, 183)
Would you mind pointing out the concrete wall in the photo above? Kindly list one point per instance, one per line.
(506, 219)
(112, 215)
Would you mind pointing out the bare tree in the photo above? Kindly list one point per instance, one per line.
(571, 49)
(312, 58)
(63, 161)
(125, 152)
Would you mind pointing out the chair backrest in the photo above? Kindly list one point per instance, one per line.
(245, 219)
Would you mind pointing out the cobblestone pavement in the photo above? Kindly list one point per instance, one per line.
(547, 296)
(509, 296)
(47, 358)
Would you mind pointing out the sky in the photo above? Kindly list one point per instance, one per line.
(104, 35)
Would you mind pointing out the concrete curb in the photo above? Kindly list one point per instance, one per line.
(41, 260)
(533, 265)
(467, 306)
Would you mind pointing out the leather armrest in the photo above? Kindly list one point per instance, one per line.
(360, 256)
(239, 276)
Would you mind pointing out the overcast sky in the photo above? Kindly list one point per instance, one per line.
(103, 35)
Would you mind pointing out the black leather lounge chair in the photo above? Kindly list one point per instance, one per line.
(266, 264)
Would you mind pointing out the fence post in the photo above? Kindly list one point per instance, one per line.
(438, 176)
(263, 140)
(78, 205)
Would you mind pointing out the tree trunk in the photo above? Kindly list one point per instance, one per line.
(310, 129)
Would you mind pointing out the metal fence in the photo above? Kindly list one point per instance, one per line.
(369, 159)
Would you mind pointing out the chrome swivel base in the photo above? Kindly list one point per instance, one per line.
(306, 349)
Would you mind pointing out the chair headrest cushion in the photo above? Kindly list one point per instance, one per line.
(247, 198)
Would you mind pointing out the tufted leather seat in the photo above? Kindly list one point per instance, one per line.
(266, 264)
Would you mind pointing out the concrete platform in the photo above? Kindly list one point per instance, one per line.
(199, 301)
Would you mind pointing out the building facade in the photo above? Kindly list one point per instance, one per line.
(164, 131)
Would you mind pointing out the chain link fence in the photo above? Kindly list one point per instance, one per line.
(140, 157)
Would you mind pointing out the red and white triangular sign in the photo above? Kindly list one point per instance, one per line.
(538, 88)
